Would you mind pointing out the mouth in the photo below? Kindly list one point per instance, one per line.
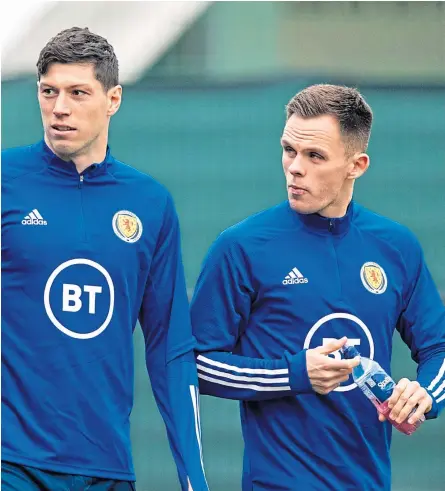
(62, 128)
(297, 190)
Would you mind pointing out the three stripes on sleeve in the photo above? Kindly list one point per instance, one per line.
(257, 379)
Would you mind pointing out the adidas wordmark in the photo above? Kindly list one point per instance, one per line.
(34, 218)
(294, 277)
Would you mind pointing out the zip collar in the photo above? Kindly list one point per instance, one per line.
(323, 225)
(61, 167)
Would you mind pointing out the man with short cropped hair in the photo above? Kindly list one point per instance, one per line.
(89, 246)
(281, 292)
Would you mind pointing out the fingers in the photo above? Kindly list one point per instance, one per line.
(381, 417)
(425, 405)
(332, 346)
(327, 373)
(400, 387)
(327, 363)
(324, 384)
(406, 396)
(324, 388)
(331, 364)
(399, 398)
(354, 362)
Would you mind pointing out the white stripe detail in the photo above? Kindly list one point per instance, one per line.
(292, 274)
(38, 215)
(439, 376)
(287, 277)
(197, 428)
(256, 371)
(439, 389)
(258, 388)
(295, 270)
(27, 217)
(440, 399)
(284, 380)
(198, 404)
(33, 216)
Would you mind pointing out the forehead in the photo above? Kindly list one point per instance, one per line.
(323, 129)
(67, 74)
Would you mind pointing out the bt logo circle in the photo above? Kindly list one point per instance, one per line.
(80, 298)
(352, 340)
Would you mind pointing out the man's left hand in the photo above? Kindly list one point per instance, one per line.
(406, 396)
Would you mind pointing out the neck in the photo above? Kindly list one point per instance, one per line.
(91, 154)
(339, 206)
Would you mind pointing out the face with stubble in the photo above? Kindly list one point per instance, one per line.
(319, 173)
(76, 109)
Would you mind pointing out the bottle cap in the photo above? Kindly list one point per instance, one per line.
(349, 351)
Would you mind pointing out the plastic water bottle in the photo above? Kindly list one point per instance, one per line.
(377, 386)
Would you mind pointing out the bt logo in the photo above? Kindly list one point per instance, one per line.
(72, 294)
(79, 298)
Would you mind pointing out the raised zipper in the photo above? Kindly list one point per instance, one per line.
(82, 215)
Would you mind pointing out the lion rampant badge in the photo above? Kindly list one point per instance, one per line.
(373, 278)
(127, 226)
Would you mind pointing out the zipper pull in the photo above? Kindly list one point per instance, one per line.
(80, 181)
(331, 225)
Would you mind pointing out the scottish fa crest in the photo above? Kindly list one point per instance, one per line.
(373, 278)
(127, 226)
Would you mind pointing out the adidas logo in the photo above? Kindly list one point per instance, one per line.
(34, 218)
(294, 278)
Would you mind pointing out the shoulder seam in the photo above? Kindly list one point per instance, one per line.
(24, 175)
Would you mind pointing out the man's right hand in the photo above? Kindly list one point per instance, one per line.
(326, 373)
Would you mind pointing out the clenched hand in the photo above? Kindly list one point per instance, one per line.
(326, 373)
(408, 395)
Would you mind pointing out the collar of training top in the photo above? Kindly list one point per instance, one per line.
(324, 225)
(69, 168)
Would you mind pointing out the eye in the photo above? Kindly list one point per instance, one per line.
(48, 91)
(78, 92)
(315, 155)
(288, 149)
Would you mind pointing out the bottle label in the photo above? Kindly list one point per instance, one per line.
(380, 385)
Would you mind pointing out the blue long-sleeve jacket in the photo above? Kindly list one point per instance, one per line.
(83, 258)
(279, 283)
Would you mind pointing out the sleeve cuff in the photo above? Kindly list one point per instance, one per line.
(298, 376)
(434, 411)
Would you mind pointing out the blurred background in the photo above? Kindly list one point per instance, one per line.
(205, 85)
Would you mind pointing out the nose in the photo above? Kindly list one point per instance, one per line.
(61, 107)
(296, 167)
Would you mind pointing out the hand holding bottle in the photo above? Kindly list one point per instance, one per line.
(403, 405)
(407, 396)
(324, 372)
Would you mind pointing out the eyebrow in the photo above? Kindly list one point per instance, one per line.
(75, 86)
(313, 148)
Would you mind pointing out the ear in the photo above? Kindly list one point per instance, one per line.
(114, 97)
(358, 166)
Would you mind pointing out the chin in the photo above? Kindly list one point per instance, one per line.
(303, 208)
(63, 149)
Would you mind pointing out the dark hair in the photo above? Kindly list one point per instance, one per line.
(79, 45)
(346, 104)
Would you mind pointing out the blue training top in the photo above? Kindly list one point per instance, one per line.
(83, 257)
(279, 283)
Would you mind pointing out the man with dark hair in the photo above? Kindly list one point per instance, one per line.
(282, 291)
(89, 246)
